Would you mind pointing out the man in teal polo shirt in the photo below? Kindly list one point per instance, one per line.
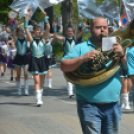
(98, 107)
(130, 66)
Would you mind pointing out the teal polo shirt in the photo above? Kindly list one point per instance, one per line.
(105, 92)
(130, 61)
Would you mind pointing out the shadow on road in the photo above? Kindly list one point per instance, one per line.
(19, 104)
(47, 92)
(128, 112)
(55, 92)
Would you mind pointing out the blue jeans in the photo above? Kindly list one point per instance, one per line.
(99, 118)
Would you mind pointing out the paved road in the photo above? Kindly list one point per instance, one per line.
(19, 114)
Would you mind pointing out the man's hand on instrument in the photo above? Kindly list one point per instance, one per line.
(89, 56)
(118, 49)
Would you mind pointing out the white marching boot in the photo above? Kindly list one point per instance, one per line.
(19, 88)
(39, 97)
(42, 92)
(49, 82)
(70, 89)
(26, 87)
(125, 101)
(127, 106)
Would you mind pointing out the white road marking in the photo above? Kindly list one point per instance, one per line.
(9, 83)
(72, 103)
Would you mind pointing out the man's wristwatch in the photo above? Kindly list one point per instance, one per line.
(123, 56)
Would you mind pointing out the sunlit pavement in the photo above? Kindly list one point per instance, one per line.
(58, 115)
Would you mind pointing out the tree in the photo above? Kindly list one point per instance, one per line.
(4, 9)
(57, 8)
(38, 16)
(67, 14)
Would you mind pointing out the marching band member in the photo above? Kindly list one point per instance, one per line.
(126, 86)
(130, 66)
(49, 53)
(80, 28)
(68, 43)
(0, 55)
(38, 63)
(21, 58)
(12, 53)
(3, 58)
(86, 27)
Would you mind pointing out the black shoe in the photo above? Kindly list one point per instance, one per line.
(2, 74)
(71, 96)
(11, 79)
(39, 105)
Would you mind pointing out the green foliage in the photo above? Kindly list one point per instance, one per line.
(86, 36)
(38, 16)
(58, 50)
(75, 10)
(4, 9)
(100, 1)
(57, 10)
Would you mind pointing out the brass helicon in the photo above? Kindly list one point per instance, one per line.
(94, 72)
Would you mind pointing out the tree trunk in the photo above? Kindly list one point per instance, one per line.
(49, 12)
(67, 15)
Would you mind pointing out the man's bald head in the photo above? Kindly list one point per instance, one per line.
(94, 21)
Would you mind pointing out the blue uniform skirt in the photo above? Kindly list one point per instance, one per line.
(52, 62)
(21, 61)
(123, 73)
(3, 59)
(10, 64)
(38, 66)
